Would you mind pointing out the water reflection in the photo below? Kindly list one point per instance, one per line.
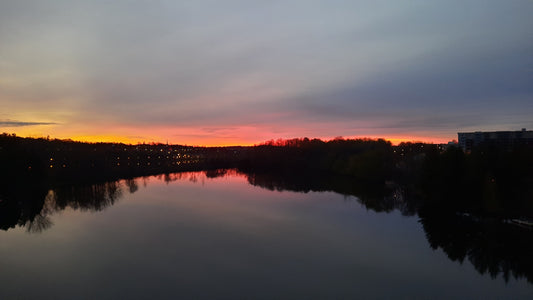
(492, 245)
(379, 197)
(23, 206)
(30, 206)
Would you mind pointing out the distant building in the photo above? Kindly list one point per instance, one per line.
(503, 139)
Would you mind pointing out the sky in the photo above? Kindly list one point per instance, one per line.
(210, 72)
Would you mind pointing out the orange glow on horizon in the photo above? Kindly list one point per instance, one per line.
(418, 139)
(211, 135)
(104, 139)
(236, 135)
(222, 142)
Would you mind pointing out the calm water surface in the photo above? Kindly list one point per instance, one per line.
(196, 237)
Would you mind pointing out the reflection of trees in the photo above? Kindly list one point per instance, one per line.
(216, 173)
(492, 246)
(42, 221)
(132, 185)
(375, 196)
(95, 197)
(39, 223)
(21, 205)
(31, 206)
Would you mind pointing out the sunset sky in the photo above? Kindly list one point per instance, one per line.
(242, 72)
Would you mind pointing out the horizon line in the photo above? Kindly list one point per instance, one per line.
(129, 141)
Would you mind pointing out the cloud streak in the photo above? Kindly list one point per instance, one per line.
(9, 123)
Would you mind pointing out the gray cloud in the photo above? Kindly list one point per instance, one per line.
(10, 123)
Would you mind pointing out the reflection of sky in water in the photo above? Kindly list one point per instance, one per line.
(223, 238)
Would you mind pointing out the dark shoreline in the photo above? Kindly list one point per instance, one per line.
(488, 181)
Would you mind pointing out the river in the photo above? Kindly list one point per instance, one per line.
(199, 235)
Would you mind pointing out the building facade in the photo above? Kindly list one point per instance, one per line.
(503, 139)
